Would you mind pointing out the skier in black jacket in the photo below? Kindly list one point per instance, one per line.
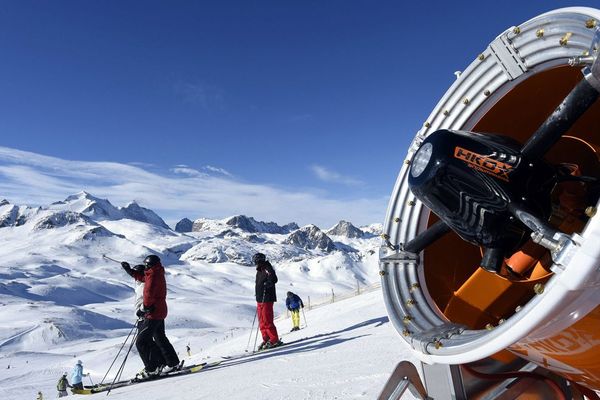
(265, 297)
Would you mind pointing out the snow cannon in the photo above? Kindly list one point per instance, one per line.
(490, 259)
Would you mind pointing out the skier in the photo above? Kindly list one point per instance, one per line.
(189, 350)
(265, 297)
(62, 385)
(293, 302)
(39, 396)
(137, 273)
(154, 311)
(77, 375)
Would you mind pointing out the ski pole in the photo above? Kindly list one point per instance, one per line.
(120, 371)
(117, 356)
(90, 378)
(256, 336)
(251, 329)
(111, 259)
(304, 315)
(255, 339)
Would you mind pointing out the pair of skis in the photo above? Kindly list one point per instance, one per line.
(190, 369)
(183, 371)
(259, 352)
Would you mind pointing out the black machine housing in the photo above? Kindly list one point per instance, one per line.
(469, 182)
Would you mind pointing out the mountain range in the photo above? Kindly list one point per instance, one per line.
(53, 255)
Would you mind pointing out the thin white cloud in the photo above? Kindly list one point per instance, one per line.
(327, 175)
(217, 170)
(185, 170)
(33, 179)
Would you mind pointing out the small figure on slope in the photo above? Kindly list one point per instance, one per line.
(62, 385)
(40, 396)
(265, 297)
(293, 302)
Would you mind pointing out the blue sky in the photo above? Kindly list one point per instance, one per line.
(301, 98)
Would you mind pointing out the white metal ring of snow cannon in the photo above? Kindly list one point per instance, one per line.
(513, 56)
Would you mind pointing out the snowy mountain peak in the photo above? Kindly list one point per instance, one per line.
(310, 237)
(89, 205)
(346, 229)
(184, 225)
(4, 202)
(8, 215)
(81, 195)
(249, 224)
(136, 212)
(102, 209)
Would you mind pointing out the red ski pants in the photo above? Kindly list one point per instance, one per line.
(265, 322)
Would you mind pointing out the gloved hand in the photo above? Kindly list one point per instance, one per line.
(149, 308)
(125, 265)
(140, 313)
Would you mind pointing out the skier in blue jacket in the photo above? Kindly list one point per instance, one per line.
(293, 302)
(77, 375)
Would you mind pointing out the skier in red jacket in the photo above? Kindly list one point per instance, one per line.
(137, 272)
(154, 311)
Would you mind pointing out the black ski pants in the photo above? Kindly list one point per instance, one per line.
(153, 356)
(151, 336)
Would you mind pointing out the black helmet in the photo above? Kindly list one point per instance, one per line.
(289, 294)
(259, 258)
(151, 261)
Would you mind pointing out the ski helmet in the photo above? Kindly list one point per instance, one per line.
(79, 362)
(151, 261)
(259, 258)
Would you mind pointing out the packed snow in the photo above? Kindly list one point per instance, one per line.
(63, 301)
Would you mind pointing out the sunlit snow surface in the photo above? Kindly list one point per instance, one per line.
(60, 301)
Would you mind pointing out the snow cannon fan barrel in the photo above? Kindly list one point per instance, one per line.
(491, 235)
(469, 180)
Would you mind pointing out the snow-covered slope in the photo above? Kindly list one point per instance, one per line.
(61, 299)
(345, 350)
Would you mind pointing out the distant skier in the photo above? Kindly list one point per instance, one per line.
(154, 311)
(137, 273)
(188, 350)
(77, 376)
(40, 396)
(265, 297)
(62, 385)
(293, 302)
